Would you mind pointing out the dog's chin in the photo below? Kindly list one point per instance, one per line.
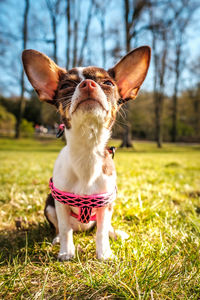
(89, 112)
(89, 105)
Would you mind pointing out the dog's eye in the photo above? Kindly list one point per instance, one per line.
(68, 84)
(108, 82)
(64, 86)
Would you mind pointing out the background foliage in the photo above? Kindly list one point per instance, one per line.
(92, 32)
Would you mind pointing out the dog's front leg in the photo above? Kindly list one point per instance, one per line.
(67, 249)
(103, 250)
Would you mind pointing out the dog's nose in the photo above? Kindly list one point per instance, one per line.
(88, 85)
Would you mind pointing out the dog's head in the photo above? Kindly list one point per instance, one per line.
(88, 91)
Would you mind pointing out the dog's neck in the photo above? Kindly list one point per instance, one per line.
(88, 131)
(86, 142)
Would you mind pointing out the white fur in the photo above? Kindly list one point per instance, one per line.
(80, 72)
(78, 169)
(77, 96)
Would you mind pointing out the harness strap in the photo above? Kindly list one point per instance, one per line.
(81, 216)
(60, 131)
(85, 203)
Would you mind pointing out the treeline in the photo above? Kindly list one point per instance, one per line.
(140, 118)
(35, 113)
(95, 32)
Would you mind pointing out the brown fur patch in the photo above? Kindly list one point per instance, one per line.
(64, 114)
(110, 206)
(108, 165)
(95, 73)
(73, 77)
(66, 88)
(49, 202)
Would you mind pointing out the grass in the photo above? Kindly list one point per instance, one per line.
(158, 204)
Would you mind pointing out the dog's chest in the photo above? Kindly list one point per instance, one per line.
(81, 174)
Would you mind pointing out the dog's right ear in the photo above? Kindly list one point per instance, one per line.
(42, 73)
(130, 72)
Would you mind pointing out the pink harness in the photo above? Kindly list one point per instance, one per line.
(85, 203)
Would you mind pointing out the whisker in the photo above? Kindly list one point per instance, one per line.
(122, 114)
(74, 81)
(119, 123)
(65, 97)
(66, 106)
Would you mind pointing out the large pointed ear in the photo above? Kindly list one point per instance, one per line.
(42, 73)
(130, 72)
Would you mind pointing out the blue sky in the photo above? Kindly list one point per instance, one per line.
(11, 15)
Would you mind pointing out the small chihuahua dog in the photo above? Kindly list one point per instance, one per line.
(88, 100)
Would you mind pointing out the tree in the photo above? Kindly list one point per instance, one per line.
(161, 31)
(68, 30)
(101, 8)
(54, 12)
(159, 58)
(194, 95)
(132, 13)
(24, 45)
(77, 42)
(179, 32)
(86, 32)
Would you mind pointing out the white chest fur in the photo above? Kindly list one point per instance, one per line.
(78, 168)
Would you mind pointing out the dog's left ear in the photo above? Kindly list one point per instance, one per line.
(42, 73)
(130, 72)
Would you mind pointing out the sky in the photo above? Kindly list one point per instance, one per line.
(10, 63)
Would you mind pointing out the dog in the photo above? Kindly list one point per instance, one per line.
(88, 99)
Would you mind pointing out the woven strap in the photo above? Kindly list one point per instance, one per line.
(85, 202)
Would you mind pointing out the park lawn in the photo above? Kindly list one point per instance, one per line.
(158, 204)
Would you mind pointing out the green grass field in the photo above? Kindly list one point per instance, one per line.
(158, 204)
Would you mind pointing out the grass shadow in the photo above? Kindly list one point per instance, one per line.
(17, 243)
(33, 241)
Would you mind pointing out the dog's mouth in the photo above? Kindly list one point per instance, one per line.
(89, 104)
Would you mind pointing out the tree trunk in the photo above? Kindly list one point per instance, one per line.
(196, 105)
(75, 44)
(68, 18)
(86, 34)
(158, 114)
(132, 13)
(174, 113)
(159, 76)
(127, 25)
(197, 116)
(174, 119)
(103, 41)
(54, 28)
(53, 8)
(22, 100)
(126, 139)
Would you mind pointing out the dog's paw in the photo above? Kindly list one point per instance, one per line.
(121, 234)
(64, 256)
(56, 240)
(106, 255)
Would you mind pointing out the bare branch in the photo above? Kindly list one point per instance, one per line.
(85, 38)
